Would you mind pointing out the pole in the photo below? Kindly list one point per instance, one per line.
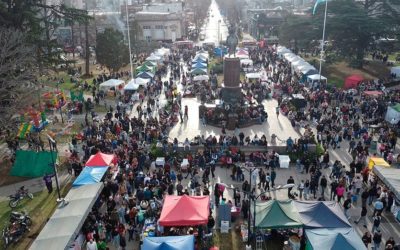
(52, 145)
(249, 221)
(129, 37)
(323, 42)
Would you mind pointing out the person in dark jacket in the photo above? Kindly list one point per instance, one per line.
(49, 182)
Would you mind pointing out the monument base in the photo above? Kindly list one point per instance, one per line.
(231, 95)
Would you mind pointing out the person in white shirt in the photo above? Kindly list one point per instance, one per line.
(91, 245)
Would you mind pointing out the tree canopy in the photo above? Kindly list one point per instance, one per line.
(111, 50)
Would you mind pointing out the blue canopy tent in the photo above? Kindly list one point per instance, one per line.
(169, 243)
(333, 239)
(198, 71)
(199, 65)
(145, 75)
(199, 59)
(90, 175)
(220, 51)
(321, 214)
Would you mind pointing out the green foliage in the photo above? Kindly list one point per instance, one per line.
(298, 31)
(217, 68)
(111, 51)
(155, 151)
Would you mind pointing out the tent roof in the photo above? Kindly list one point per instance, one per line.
(277, 214)
(198, 71)
(196, 210)
(316, 77)
(149, 63)
(144, 67)
(135, 83)
(352, 81)
(153, 57)
(169, 243)
(201, 78)
(89, 175)
(373, 92)
(391, 178)
(111, 83)
(145, 75)
(321, 214)
(253, 75)
(396, 107)
(66, 222)
(199, 65)
(100, 160)
(334, 238)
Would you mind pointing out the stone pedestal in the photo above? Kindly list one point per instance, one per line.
(231, 89)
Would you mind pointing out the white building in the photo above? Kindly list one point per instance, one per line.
(159, 26)
(173, 7)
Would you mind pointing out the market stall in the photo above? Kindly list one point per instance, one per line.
(100, 160)
(112, 85)
(276, 214)
(393, 114)
(90, 175)
(314, 80)
(390, 177)
(377, 161)
(197, 210)
(134, 84)
(333, 238)
(169, 243)
(353, 81)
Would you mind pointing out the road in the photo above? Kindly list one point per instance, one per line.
(215, 28)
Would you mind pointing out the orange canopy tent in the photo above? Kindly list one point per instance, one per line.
(196, 210)
(352, 81)
(100, 160)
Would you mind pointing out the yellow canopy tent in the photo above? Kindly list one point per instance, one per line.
(377, 161)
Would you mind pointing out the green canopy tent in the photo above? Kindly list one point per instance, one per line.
(33, 164)
(145, 68)
(277, 214)
(198, 71)
(150, 63)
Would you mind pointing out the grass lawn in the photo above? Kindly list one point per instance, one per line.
(39, 209)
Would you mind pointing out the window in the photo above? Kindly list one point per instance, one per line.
(146, 27)
(159, 27)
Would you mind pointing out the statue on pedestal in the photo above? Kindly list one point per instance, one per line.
(232, 41)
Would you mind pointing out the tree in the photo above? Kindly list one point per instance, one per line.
(17, 72)
(111, 51)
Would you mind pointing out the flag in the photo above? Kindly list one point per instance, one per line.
(316, 5)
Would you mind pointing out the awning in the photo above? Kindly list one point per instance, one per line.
(100, 160)
(377, 161)
(66, 222)
(333, 239)
(89, 175)
(196, 210)
(111, 83)
(169, 243)
(201, 78)
(277, 214)
(134, 84)
(391, 178)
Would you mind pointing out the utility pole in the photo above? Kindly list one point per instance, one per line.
(87, 55)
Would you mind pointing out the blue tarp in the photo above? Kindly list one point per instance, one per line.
(333, 238)
(199, 65)
(90, 175)
(220, 51)
(169, 243)
(321, 214)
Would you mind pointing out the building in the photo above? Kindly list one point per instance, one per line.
(160, 26)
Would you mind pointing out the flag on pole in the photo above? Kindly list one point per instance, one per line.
(316, 5)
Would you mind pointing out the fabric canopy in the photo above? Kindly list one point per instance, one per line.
(169, 243)
(89, 175)
(100, 160)
(373, 93)
(196, 210)
(220, 51)
(316, 77)
(199, 59)
(149, 63)
(111, 83)
(393, 114)
(377, 161)
(253, 75)
(277, 214)
(333, 239)
(203, 53)
(201, 78)
(199, 65)
(321, 214)
(352, 82)
(202, 57)
(153, 58)
(145, 68)
(198, 71)
(33, 164)
(391, 178)
(66, 222)
(145, 75)
(134, 84)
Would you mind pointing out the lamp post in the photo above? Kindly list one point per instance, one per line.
(53, 149)
(218, 35)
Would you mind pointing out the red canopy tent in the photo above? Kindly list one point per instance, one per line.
(373, 93)
(197, 210)
(352, 82)
(100, 160)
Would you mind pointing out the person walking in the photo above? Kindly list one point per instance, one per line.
(49, 182)
(377, 239)
(323, 183)
(376, 222)
(273, 177)
(334, 185)
(301, 189)
(290, 181)
(186, 115)
(267, 181)
(367, 239)
(362, 217)
(306, 189)
(340, 192)
(378, 207)
(347, 206)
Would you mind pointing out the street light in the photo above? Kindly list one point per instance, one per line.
(53, 148)
(219, 24)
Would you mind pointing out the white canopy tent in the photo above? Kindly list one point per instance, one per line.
(246, 62)
(313, 80)
(282, 50)
(111, 83)
(201, 78)
(393, 114)
(395, 70)
(162, 52)
(135, 83)
(289, 55)
(203, 54)
(293, 59)
(153, 58)
(299, 62)
(253, 75)
(66, 222)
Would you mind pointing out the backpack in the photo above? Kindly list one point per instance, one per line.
(347, 204)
